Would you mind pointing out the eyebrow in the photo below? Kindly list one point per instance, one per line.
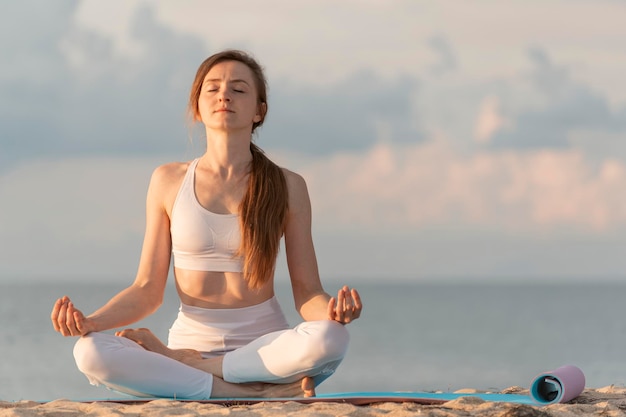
(217, 80)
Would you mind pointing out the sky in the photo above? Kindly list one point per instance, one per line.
(440, 141)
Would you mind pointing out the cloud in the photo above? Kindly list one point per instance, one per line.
(349, 115)
(444, 51)
(418, 136)
(558, 105)
(490, 119)
(31, 74)
(94, 100)
(491, 212)
(28, 40)
(84, 99)
(403, 189)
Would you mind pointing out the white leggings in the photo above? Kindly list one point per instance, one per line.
(251, 354)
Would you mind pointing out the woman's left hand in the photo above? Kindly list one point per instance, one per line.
(346, 307)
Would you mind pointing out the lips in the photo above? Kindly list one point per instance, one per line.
(224, 110)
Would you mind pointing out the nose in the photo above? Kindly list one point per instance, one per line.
(224, 96)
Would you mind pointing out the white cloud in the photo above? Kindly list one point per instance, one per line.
(490, 119)
(349, 114)
(411, 187)
(99, 99)
(324, 41)
(545, 105)
(113, 22)
(78, 97)
(447, 57)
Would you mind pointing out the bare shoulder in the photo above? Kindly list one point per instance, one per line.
(167, 174)
(166, 180)
(297, 189)
(295, 181)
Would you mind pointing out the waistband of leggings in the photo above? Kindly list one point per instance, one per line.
(266, 308)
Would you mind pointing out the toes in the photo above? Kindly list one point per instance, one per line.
(308, 387)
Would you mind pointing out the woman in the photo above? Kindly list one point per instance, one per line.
(221, 216)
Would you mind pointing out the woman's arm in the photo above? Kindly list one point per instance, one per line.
(145, 295)
(312, 302)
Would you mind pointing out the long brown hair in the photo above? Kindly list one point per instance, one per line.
(263, 209)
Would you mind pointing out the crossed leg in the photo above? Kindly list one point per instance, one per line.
(282, 357)
(118, 363)
(148, 340)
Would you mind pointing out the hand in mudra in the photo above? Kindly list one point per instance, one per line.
(346, 307)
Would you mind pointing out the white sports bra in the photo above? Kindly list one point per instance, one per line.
(203, 240)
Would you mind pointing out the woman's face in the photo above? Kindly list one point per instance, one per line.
(228, 100)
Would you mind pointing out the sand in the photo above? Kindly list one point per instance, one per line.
(609, 401)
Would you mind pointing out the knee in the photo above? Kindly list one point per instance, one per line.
(94, 353)
(328, 340)
(86, 354)
(335, 337)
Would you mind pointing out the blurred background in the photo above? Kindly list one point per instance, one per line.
(438, 139)
(442, 142)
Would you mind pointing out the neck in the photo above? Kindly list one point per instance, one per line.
(227, 153)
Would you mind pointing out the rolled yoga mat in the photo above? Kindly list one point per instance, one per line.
(558, 386)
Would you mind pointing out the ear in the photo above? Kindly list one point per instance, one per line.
(260, 113)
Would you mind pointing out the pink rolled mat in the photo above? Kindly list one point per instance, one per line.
(558, 386)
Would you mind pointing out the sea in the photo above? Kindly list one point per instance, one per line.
(410, 337)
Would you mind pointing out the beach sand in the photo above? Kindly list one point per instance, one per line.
(609, 401)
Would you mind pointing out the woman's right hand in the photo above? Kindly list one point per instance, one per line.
(68, 320)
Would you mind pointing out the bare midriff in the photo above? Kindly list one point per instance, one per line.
(207, 289)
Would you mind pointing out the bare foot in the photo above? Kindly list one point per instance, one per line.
(303, 388)
(308, 387)
(223, 389)
(146, 339)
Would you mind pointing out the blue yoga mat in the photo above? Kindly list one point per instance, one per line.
(560, 385)
(357, 398)
(422, 397)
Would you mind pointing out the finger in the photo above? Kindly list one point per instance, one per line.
(54, 315)
(341, 305)
(341, 297)
(349, 308)
(331, 308)
(61, 319)
(356, 297)
(57, 313)
(358, 304)
(69, 320)
(349, 302)
(78, 320)
(81, 325)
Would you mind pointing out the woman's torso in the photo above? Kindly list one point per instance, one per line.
(216, 200)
